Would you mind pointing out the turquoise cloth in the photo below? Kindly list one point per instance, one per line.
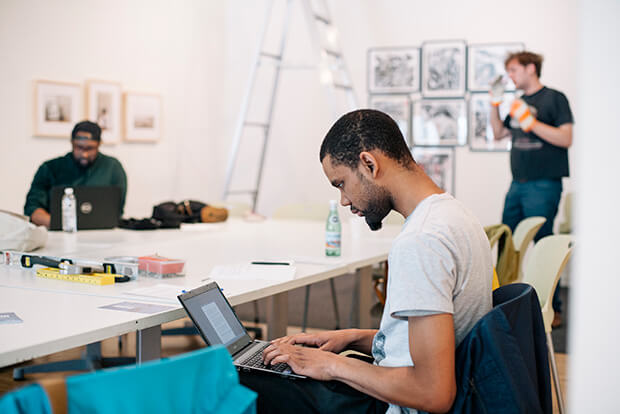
(30, 399)
(203, 381)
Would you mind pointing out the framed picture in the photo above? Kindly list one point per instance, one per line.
(480, 132)
(396, 106)
(439, 122)
(394, 70)
(103, 106)
(142, 117)
(485, 62)
(443, 69)
(438, 164)
(57, 108)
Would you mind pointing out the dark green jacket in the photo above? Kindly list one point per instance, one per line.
(66, 171)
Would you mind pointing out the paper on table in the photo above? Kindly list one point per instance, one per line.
(252, 272)
(318, 260)
(160, 290)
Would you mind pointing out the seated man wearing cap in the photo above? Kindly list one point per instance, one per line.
(84, 166)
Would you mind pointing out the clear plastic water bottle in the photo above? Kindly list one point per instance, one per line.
(69, 213)
(333, 231)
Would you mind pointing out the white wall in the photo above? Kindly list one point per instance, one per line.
(292, 172)
(197, 55)
(595, 306)
(147, 46)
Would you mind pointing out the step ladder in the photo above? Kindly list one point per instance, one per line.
(330, 66)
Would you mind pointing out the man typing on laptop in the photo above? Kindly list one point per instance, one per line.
(83, 166)
(439, 286)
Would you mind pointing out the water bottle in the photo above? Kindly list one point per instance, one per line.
(69, 213)
(332, 231)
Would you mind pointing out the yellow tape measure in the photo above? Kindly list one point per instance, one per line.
(91, 278)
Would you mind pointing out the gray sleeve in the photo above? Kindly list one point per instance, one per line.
(422, 277)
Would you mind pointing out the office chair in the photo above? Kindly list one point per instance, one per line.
(543, 271)
(522, 236)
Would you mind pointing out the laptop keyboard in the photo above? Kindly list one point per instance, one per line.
(256, 361)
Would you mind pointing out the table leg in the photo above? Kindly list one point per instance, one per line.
(148, 344)
(277, 315)
(363, 287)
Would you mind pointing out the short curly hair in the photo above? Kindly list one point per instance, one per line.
(364, 130)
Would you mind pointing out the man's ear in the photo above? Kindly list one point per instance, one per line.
(369, 163)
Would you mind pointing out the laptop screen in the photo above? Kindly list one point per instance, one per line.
(98, 207)
(215, 318)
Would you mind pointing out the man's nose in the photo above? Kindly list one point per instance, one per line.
(344, 201)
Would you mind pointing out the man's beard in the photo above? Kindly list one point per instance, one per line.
(379, 205)
(83, 162)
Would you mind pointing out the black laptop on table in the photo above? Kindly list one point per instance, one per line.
(218, 324)
(97, 207)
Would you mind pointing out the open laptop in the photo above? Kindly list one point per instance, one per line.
(97, 207)
(218, 324)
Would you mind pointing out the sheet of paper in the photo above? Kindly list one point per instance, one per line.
(137, 307)
(7, 318)
(319, 260)
(161, 290)
(253, 272)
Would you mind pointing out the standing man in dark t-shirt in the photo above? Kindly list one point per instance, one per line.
(84, 166)
(541, 124)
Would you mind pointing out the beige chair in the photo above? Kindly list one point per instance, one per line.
(522, 236)
(309, 211)
(566, 226)
(543, 270)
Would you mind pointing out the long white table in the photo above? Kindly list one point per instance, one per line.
(59, 315)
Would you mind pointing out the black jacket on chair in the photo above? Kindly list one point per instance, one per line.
(502, 365)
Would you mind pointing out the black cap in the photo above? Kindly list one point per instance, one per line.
(87, 126)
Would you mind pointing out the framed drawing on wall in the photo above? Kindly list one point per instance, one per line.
(396, 106)
(485, 62)
(481, 136)
(443, 69)
(394, 70)
(57, 108)
(438, 164)
(143, 115)
(439, 122)
(103, 106)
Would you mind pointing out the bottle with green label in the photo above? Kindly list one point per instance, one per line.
(333, 231)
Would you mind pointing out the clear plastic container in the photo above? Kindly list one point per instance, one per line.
(160, 267)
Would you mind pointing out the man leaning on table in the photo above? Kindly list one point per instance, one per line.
(439, 286)
(83, 166)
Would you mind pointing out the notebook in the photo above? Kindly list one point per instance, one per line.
(97, 207)
(218, 324)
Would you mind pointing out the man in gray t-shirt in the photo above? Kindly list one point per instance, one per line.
(439, 286)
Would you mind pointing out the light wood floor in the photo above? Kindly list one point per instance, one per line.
(173, 345)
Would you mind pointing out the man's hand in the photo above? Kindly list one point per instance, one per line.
(521, 112)
(332, 341)
(311, 362)
(496, 90)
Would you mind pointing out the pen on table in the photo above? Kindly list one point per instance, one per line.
(271, 263)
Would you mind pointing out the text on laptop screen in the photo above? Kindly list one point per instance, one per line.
(215, 317)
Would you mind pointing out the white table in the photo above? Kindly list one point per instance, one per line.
(80, 321)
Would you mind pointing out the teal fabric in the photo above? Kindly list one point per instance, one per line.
(203, 381)
(30, 399)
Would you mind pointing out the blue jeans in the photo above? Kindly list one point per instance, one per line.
(534, 198)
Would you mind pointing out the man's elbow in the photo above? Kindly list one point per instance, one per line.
(439, 399)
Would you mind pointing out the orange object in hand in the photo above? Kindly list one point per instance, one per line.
(521, 112)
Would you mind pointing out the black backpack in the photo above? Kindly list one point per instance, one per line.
(172, 214)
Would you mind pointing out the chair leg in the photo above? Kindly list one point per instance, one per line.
(335, 302)
(554, 370)
(304, 322)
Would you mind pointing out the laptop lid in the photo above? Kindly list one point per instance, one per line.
(215, 318)
(98, 207)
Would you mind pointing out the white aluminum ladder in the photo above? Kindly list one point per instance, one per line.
(331, 68)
